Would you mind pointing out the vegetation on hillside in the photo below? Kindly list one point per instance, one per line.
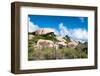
(46, 53)
(67, 38)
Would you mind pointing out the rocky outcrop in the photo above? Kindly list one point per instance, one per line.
(62, 44)
(60, 39)
(72, 44)
(30, 36)
(45, 43)
(43, 31)
(59, 43)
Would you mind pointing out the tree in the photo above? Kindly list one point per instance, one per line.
(86, 43)
(67, 38)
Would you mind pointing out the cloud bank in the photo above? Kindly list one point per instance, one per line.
(77, 33)
(32, 26)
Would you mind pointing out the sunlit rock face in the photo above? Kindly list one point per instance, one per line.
(72, 44)
(30, 36)
(60, 43)
(43, 31)
(45, 43)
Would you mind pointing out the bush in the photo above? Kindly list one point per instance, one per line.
(52, 53)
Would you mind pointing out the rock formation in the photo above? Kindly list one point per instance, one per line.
(60, 43)
(43, 31)
(72, 44)
(45, 43)
(30, 36)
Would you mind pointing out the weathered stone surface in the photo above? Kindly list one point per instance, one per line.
(45, 43)
(60, 39)
(30, 37)
(62, 43)
(72, 44)
(43, 31)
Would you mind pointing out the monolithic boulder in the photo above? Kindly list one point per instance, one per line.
(60, 39)
(62, 44)
(72, 44)
(43, 31)
(45, 43)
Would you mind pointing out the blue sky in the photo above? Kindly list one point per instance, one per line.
(63, 25)
(53, 21)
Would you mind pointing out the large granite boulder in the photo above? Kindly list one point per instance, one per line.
(72, 44)
(45, 43)
(43, 31)
(60, 39)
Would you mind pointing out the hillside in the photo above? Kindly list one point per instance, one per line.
(43, 44)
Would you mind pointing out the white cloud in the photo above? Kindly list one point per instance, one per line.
(77, 33)
(32, 26)
(63, 30)
(56, 32)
